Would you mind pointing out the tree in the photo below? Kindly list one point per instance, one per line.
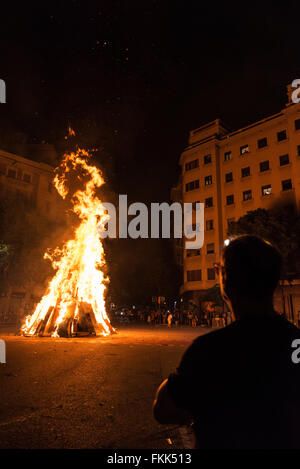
(279, 225)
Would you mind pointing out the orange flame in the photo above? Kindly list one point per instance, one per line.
(79, 278)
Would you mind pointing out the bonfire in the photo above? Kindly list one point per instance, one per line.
(74, 302)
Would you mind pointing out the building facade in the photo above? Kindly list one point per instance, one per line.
(233, 173)
(32, 180)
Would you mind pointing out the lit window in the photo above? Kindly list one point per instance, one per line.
(266, 190)
(208, 180)
(244, 149)
(227, 156)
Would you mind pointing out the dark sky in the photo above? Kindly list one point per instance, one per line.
(145, 72)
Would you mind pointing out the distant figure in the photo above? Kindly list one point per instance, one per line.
(170, 319)
(239, 387)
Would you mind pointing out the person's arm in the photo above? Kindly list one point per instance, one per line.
(165, 410)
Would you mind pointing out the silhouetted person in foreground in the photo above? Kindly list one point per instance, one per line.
(239, 386)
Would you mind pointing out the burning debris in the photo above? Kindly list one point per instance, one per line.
(74, 301)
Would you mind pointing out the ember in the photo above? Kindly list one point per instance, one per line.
(74, 301)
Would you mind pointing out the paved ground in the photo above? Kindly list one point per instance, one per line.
(88, 392)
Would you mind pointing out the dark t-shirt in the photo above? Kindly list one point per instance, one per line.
(241, 385)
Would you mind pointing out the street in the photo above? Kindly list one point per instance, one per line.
(89, 392)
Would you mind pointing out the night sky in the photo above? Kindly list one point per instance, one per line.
(138, 75)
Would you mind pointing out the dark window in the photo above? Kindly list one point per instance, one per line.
(297, 124)
(2, 168)
(262, 142)
(209, 202)
(11, 173)
(190, 186)
(207, 159)
(286, 184)
(266, 190)
(193, 252)
(228, 177)
(245, 172)
(227, 156)
(264, 166)
(281, 135)
(210, 248)
(194, 275)
(247, 195)
(50, 187)
(298, 150)
(230, 222)
(27, 178)
(209, 225)
(244, 149)
(211, 274)
(284, 159)
(230, 199)
(208, 180)
(191, 165)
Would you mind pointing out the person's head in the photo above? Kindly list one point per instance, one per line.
(249, 273)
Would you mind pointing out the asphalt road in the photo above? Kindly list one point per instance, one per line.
(89, 392)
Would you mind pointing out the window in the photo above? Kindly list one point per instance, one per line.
(230, 199)
(191, 165)
(266, 190)
(193, 252)
(194, 275)
(284, 159)
(244, 149)
(208, 180)
(298, 150)
(227, 156)
(210, 248)
(230, 222)
(208, 202)
(209, 225)
(50, 187)
(262, 142)
(228, 177)
(207, 159)
(27, 177)
(2, 168)
(281, 135)
(247, 195)
(11, 173)
(264, 166)
(246, 172)
(190, 186)
(286, 184)
(297, 124)
(210, 274)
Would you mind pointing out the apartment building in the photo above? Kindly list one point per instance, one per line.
(233, 173)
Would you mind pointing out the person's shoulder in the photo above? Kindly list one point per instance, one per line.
(215, 336)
